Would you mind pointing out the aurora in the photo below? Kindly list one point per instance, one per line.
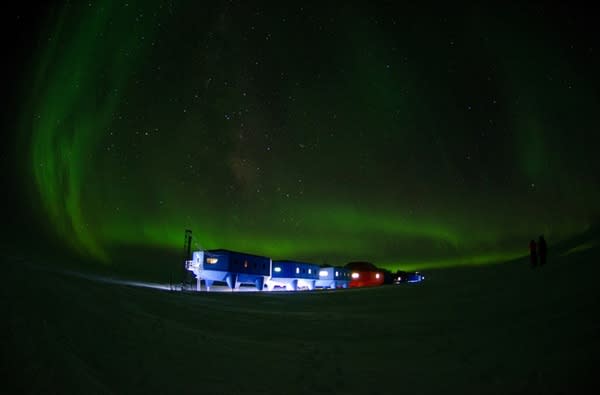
(310, 132)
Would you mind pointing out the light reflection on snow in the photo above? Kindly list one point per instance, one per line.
(117, 281)
(154, 285)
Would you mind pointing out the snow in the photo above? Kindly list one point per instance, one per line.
(495, 329)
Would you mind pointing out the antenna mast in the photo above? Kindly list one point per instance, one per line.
(187, 255)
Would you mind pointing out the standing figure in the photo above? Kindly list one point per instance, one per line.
(533, 253)
(542, 250)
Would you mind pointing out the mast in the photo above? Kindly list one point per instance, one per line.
(186, 281)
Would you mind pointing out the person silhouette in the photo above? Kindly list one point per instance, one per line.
(542, 250)
(533, 253)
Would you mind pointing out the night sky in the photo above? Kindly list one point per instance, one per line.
(409, 136)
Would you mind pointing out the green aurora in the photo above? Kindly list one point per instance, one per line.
(315, 133)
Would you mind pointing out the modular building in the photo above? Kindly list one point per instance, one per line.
(233, 268)
(333, 277)
(408, 277)
(293, 275)
(364, 274)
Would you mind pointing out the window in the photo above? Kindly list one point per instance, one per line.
(297, 270)
(323, 273)
(309, 271)
(245, 264)
(337, 274)
(276, 269)
(211, 260)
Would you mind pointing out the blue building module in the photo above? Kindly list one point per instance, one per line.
(333, 277)
(233, 268)
(293, 275)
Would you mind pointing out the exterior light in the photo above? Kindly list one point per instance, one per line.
(355, 275)
(323, 273)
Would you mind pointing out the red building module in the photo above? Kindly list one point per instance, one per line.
(364, 274)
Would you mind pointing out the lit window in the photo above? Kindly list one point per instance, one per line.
(355, 275)
(297, 270)
(323, 273)
(212, 261)
(377, 275)
(309, 271)
(245, 263)
(277, 269)
(337, 274)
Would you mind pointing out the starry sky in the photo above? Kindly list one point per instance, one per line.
(409, 136)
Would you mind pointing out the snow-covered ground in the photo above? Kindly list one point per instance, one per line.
(494, 329)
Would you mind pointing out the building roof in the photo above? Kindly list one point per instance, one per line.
(224, 251)
(292, 261)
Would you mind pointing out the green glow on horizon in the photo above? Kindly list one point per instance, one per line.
(469, 260)
(580, 248)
